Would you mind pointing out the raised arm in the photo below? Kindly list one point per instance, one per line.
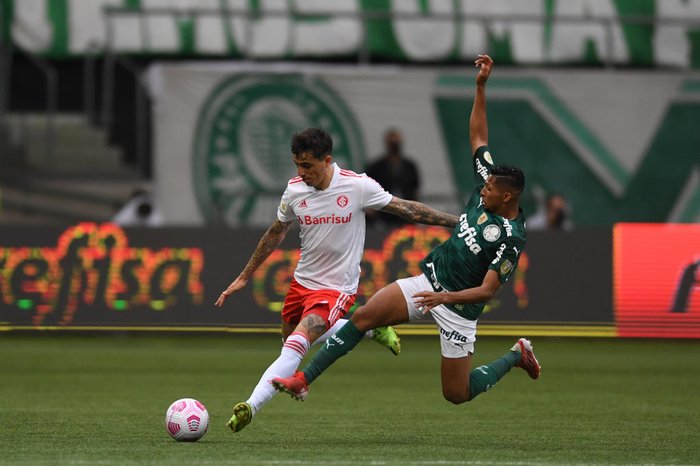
(418, 212)
(268, 243)
(478, 125)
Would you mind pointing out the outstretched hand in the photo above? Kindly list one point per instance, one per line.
(484, 63)
(426, 300)
(235, 286)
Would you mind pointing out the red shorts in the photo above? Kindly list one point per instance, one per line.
(329, 304)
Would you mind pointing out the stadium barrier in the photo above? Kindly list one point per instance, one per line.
(102, 277)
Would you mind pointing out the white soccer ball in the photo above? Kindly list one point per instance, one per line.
(187, 420)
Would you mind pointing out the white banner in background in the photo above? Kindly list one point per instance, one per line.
(222, 133)
(650, 33)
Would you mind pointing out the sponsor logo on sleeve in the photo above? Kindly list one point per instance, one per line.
(482, 170)
(508, 227)
(499, 253)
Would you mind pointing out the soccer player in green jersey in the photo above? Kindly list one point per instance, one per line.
(459, 277)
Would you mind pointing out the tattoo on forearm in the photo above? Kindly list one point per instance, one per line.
(268, 243)
(420, 213)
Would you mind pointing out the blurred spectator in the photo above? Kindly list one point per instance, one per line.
(554, 215)
(139, 211)
(396, 173)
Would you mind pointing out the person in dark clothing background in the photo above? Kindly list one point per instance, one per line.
(396, 173)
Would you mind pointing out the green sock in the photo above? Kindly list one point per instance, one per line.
(484, 377)
(336, 346)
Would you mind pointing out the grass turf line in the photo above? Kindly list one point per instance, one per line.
(101, 399)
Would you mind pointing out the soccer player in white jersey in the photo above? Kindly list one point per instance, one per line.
(328, 202)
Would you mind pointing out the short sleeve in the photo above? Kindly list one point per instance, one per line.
(373, 195)
(506, 260)
(284, 209)
(483, 163)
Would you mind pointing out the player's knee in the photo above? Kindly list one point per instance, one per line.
(456, 397)
(312, 326)
(362, 319)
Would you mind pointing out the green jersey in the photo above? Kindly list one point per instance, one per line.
(482, 241)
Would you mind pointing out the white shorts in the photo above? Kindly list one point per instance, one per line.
(457, 334)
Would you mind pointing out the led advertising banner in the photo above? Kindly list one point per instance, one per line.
(100, 276)
(657, 280)
(92, 274)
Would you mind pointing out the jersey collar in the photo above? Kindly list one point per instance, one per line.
(334, 178)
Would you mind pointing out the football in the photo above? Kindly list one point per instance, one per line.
(186, 420)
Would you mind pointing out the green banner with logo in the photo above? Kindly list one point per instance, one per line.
(619, 147)
(645, 33)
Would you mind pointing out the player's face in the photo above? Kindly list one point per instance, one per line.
(492, 196)
(312, 170)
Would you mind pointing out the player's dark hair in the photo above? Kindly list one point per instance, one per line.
(315, 141)
(512, 177)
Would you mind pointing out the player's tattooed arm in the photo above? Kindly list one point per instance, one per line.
(268, 243)
(418, 212)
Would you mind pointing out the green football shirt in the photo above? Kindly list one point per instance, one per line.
(482, 241)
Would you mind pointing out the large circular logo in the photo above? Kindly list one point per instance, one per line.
(241, 151)
(491, 233)
(342, 200)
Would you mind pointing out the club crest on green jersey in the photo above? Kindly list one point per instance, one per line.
(241, 145)
(491, 233)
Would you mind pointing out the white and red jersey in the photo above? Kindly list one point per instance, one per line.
(332, 225)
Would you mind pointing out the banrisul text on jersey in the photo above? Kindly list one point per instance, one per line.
(311, 220)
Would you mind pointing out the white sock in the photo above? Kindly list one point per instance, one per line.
(334, 329)
(292, 353)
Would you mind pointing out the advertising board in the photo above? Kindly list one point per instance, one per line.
(100, 276)
(657, 280)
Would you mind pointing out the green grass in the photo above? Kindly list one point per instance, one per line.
(101, 399)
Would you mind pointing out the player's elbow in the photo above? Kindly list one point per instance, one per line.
(489, 288)
(476, 141)
(455, 397)
(486, 294)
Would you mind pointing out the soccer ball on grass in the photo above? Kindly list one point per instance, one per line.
(187, 420)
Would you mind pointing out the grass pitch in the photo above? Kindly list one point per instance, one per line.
(101, 399)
